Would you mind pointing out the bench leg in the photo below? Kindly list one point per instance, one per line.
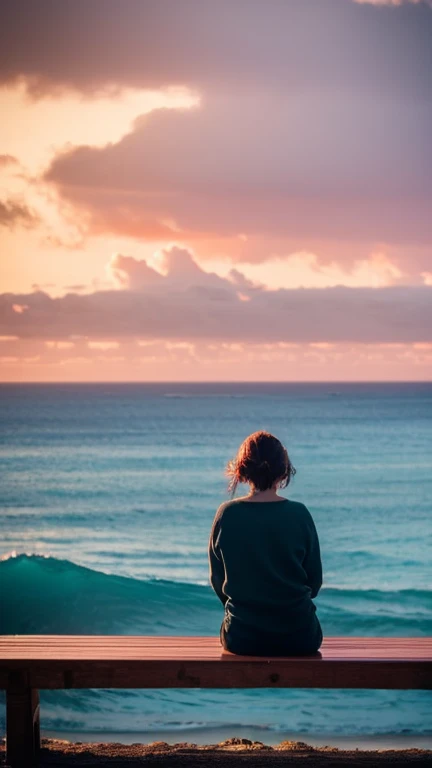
(22, 727)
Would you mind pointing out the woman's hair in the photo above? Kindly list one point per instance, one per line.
(261, 461)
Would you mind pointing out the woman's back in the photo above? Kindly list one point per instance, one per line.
(265, 563)
(264, 555)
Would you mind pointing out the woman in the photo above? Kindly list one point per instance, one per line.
(264, 556)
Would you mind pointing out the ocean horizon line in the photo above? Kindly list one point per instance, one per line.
(294, 382)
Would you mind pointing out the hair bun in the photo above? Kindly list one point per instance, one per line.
(250, 466)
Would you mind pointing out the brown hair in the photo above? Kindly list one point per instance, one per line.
(262, 461)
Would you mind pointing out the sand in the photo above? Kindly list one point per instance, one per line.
(216, 734)
(232, 753)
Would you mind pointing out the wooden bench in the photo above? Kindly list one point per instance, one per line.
(30, 663)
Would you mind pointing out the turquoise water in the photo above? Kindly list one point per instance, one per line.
(107, 496)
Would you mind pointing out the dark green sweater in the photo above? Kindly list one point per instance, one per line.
(265, 563)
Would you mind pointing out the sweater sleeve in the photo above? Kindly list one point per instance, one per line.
(216, 566)
(312, 561)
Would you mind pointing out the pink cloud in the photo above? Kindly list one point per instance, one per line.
(131, 273)
(218, 171)
(203, 307)
(8, 160)
(177, 272)
(391, 2)
(314, 121)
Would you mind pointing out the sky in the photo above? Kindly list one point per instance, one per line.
(195, 190)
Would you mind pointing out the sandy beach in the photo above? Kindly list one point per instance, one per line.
(204, 736)
(233, 752)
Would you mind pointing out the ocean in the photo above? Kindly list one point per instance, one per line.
(108, 492)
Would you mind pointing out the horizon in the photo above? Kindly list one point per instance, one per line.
(238, 382)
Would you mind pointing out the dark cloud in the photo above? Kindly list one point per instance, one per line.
(13, 213)
(153, 43)
(208, 307)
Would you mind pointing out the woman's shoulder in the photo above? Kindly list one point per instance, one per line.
(228, 506)
(288, 512)
(244, 501)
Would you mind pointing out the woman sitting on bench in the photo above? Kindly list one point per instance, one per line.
(264, 555)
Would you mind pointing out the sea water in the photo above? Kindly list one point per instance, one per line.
(108, 492)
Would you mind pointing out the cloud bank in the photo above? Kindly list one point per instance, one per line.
(147, 44)
(202, 306)
(282, 167)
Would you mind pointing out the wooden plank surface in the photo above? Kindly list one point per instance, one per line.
(118, 647)
(177, 662)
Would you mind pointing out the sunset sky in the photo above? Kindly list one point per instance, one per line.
(215, 190)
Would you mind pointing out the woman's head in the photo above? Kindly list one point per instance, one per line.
(262, 461)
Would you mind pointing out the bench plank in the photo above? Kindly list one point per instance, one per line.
(107, 647)
(176, 662)
(204, 674)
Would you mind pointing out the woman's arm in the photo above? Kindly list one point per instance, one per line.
(216, 566)
(312, 562)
